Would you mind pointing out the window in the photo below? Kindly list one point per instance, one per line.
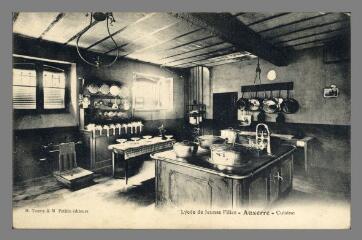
(54, 90)
(152, 93)
(39, 86)
(24, 89)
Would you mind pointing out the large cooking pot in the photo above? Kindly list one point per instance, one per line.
(289, 105)
(270, 104)
(205, 141)
(227, 155)
(242, 103)
(184, 149)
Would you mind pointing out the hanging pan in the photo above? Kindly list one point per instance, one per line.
(280, 116)
(270, 104)
(254, 103)
(289, 105)
(242, 103)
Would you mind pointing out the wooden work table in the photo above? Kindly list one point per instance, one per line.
(261, 181)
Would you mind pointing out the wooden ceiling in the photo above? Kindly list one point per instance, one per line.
(184, 40)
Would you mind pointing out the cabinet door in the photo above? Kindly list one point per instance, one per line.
(286, 173)
(101, 149)
(274, 184)
(258, 194)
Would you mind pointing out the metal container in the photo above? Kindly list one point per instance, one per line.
(226, 155)
(184, 149)
(205, 141)
(230, 135)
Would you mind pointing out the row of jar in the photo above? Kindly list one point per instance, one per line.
(135, 127)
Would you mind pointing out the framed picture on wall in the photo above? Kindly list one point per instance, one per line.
(331, 92)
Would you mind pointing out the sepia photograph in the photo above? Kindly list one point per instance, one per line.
(181, 120)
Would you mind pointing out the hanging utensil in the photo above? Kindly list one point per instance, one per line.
(270, 104)
(290, 105)
(242, 103)
(255, 103)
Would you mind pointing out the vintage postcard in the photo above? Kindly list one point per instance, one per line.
(181, 120)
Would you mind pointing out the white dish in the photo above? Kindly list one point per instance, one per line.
(114, 90)
(121, 140)
(147, 136)
(169, 136)
(135, 138)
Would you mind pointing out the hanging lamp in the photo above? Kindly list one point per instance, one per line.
(99, 17)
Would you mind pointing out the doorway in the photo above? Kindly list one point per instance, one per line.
(224, 109)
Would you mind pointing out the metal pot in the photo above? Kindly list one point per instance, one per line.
(205, 141)
(242, 103)
(230, 135)
(270, 105)
(226, 155)
(255, 103)
(184, 149)
(289, 105)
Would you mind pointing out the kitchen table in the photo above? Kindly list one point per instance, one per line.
(260, 181)
(131, 149)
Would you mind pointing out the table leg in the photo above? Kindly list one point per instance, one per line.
(126, 170)
(113, 162)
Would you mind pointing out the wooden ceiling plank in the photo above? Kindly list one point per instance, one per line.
(306, 28)
(52, 24)
(188, 43)
(267, 18)
(291, 23)
(120, 30)
(323, 40)
(168, 40)
(193, 50)
(312, 35)
(236, 33)
(198, 55)
(81, 32)
(15, 16)
(208, 57)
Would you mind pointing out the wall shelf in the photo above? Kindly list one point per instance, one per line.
(268, 87)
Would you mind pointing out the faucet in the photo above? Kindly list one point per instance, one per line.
(261, 139)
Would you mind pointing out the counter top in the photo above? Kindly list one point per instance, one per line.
(253, 164)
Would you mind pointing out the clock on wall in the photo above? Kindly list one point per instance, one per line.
(271, 75)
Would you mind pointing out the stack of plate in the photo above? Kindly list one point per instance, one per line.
(114, 90)
(92, 88)
(104, 89)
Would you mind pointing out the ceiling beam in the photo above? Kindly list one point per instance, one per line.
(121, 30)
(52, 24)
(230, 29)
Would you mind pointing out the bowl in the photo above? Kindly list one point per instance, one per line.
(135, 138)
(121, 140)
(147, 136)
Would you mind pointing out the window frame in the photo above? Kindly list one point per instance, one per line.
(156, 79)
(40, 66)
